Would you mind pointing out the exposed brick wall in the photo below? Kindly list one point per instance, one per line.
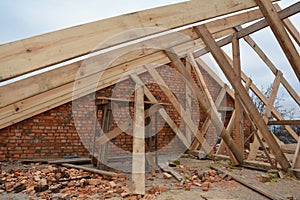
(54, 134)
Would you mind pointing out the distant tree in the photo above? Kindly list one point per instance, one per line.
(287, 113)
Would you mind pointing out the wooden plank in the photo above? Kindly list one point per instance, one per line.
(168, 169)
(252, 185)
(284, 122)
(188, 103)
(67, 74)
(285, 13)
(34, 105)
(281, 34)
(275, 112)
(138, 149)
(289, 148)
(44, 50)
(162, 111)
(239, 123)
(207, 122)
(71, 161)
(89, 169)
(272, 67)
(245, 98)
(289, 26)
(296, 160)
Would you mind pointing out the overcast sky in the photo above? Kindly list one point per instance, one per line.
(20, 19)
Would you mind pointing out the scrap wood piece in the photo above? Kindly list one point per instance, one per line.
(71, 161)
(168, 169)
(89, 169)
(252, 185)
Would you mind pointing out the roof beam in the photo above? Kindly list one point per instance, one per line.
(245, 98)
(281, 34)
(38, 52)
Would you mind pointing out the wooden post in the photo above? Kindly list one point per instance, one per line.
(281, 34)
(106, 124)
(245, 98)
(188, 104)
(138, 154)
(239, 122)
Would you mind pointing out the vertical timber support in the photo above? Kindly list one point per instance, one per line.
(138, 154)
(188, 104)
(106, 123)
(281, 34)
(245, 98)
(239, 125)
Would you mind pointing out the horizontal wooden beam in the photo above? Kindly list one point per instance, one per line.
(284, 122)
(28, 55)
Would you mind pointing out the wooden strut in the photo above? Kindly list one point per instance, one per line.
(271, 66)
(283, 14)
(210, 111)
(138, 152)
(281, 34)
(245, 98)
(162, 111)
(267, 114)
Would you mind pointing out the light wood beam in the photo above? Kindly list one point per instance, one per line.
(285, 13)
(239, 124)
(281, 34)
(296, 160)
(181, 42)
(138, 151)
(245, 98)
(40, 51)
(289, 26)
(272, 67)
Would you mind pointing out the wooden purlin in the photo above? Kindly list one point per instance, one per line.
(27, 55)
(247, 102)
(45, 93)
(281, 34)
(67, 74)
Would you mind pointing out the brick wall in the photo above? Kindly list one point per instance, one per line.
(54, 134)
